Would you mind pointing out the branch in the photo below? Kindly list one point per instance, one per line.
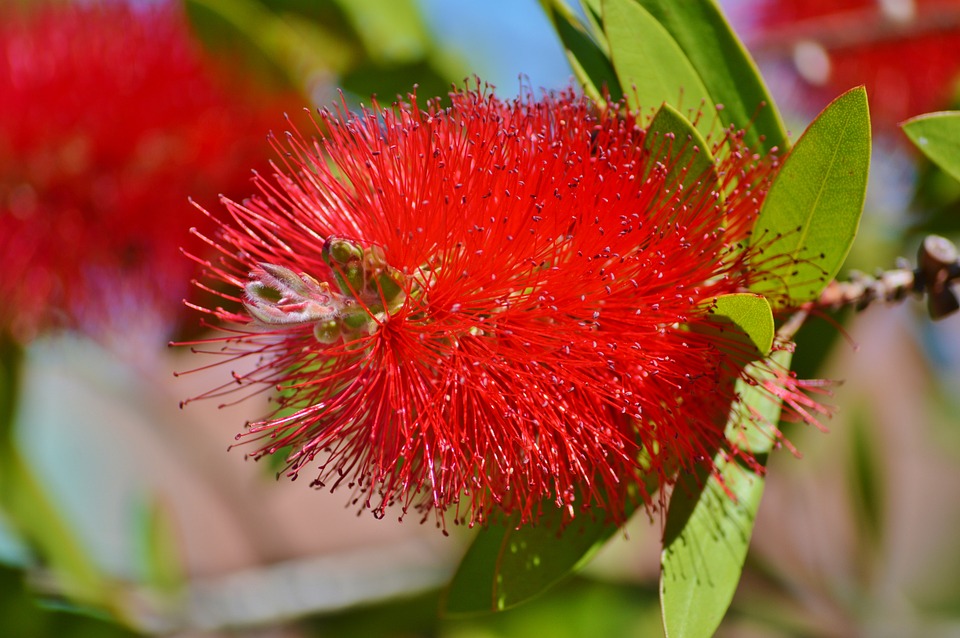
(938, 266)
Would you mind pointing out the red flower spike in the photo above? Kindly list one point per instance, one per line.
(110, 118)
(496, 302)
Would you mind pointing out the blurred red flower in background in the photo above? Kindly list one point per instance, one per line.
(500, 301)
(906, 52)
(110, 118)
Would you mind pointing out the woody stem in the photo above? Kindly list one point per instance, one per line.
(938, 266)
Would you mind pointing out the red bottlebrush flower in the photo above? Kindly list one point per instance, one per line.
(503, 302)
(110, 118)
(906, 53)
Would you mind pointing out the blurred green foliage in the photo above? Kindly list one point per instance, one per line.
(579, 607)
(22, 614)
(380, 47)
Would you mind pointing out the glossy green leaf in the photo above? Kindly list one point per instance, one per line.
(810, 216)
(651, 66)
(725, 68)
(506, 566)
(590, 63)
(671, 136)
(937, 135)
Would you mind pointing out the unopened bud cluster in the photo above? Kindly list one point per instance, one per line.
(368, 290)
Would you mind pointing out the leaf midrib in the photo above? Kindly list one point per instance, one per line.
(820, 189)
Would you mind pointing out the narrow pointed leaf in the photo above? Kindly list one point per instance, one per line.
(937, 135)
(810, 216)
(651, 66)
(594, 13)
(725, 68)
(590, 63)
(708, 530)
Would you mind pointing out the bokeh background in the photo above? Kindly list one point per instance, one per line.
(134, 517)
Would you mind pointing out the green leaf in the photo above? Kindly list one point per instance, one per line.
(725, 68)
(710, 517)
(752, 317)
(588, 60)
(593, 10)
(937, 135)
(668, 132)
(474, 586)
(505, 566)
(753, 421)
(811, 214)
(651, 66)
(705, 543)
